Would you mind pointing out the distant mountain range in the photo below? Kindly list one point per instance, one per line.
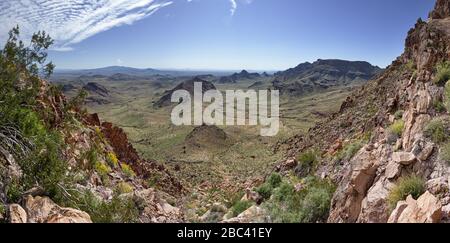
(243, 75)
(136, 72)
(323, 74)
(187, 85)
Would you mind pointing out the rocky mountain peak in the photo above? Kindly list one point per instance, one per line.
(441, 10)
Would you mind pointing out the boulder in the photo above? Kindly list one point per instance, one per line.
(44, 210)
(393, 170)
(426, 209)
(395, 215)
(403, 158)
(374, 206)
(17, 214)
(252, 196)
(438, 185)
(254, 214)
(422, 149)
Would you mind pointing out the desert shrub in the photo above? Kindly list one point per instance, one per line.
(397, 127)
(102, 169)
(283, 192)
(124, 188)
(274, 180)
(127, 170)
(13, 191)
(2, 209)
(240, 207)
(409, 185)
(265, 190)
(399, 114)
(153, 180)
(118, 210)
(411, 66)
(311, 204)
(436, 130)
(306, 162)
(308, 158)
(91, 157)
(316, 205)
(350, 150)
(112, 159)
(442, 73)
(20, 69)
(439, 106)
(445, 153)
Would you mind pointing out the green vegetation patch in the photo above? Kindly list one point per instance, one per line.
(410, 185)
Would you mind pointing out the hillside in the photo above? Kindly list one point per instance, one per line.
(59, 164)
(387, 149)
(187, 85)
(323, 74)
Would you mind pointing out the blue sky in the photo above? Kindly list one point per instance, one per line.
(218, 34)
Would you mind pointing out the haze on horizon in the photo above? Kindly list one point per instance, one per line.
(215, 34)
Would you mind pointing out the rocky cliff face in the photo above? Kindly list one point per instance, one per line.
(405, 95)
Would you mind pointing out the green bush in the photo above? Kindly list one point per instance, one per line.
(307, 159)
(445, 153)
(112, 159)
(102, 169)
(127, 170)
(436, 130)
(283, 192)
(442, 73)
(118, 210)
(265, 190)
(274, 180)
(124, 188)
(350, 150)
(316, 205)
(399, 114)
(306, 163)
(2, 209)
(309, 205)
(397, 127)
(439, 106)
(410, 185)
(240, 207)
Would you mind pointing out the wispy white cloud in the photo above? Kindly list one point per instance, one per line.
(233, 7)
(72, 21)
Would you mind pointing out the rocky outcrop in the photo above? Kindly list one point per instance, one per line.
(254, 214)
(442, 10)
(17, 214)
(358, 178)
(427, 209)
(95, 88)
(155, 209)
(44, 210)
